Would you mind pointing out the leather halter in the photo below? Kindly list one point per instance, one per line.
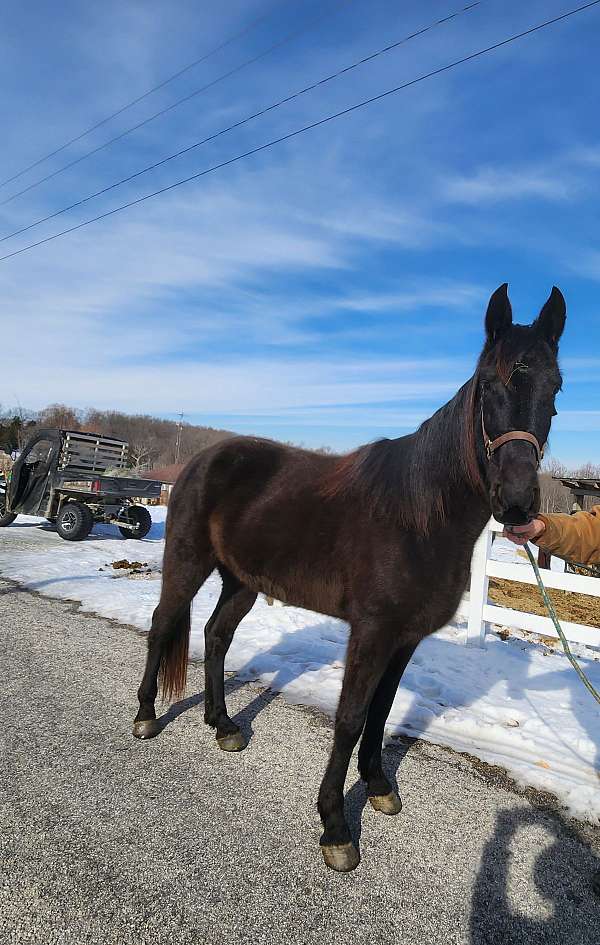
(492, 445)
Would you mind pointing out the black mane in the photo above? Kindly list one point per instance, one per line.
(412, 477)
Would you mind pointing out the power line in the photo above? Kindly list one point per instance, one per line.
(168, 108)
(243, 121)
(140, 98)
(314, 124)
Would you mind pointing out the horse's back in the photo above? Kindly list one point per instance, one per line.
(249, 465)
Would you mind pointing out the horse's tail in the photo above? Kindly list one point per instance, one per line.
(173, 664)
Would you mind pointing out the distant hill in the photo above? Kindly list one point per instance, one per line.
(152, 441)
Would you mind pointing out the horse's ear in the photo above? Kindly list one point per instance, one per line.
(498, 317)
(551, 320)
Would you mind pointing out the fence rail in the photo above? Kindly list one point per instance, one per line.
(479, 613)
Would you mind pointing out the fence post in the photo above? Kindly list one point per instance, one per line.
(478, 591)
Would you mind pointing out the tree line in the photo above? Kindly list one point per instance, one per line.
(153, 443)
(554, 497)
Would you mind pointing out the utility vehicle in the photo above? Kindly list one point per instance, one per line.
(65, 476)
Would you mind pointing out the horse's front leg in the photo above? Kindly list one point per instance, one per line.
(379, 790)
(369, 649)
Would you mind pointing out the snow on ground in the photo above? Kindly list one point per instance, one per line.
(514, 703)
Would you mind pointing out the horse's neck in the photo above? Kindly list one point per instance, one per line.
(468, 511)
(434, 455)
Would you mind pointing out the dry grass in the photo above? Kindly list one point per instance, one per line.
(578, 608)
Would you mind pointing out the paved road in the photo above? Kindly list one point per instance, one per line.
(108, 840)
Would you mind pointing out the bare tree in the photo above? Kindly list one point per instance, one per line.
(554, 497)
(151, 439)
(16, 426)
(142, 453)
(588, 471)
(59, 415)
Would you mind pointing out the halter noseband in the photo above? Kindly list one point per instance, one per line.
(492, 445)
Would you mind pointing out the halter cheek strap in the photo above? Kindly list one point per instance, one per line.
(492, 445)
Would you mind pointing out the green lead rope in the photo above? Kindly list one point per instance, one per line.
(559, 630)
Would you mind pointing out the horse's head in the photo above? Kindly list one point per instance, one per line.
(518, 380)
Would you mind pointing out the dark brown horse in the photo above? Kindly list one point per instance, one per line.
(381, 538)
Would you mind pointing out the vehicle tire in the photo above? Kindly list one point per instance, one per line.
(74, 522)
(142, 519)
(6, 518)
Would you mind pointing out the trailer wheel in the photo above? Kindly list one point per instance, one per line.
(74, 522)
(6, 518)
(139, 517)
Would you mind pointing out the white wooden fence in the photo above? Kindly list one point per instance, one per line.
(479, 612)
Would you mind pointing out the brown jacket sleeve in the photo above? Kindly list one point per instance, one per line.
(576, 537)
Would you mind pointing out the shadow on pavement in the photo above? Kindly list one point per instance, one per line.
(356, 798)
(232, 684)
(556, 905)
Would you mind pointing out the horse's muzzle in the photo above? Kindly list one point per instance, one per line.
(514, 516)
(515, 503)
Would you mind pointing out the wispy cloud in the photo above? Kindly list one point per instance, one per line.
(235, 387)
(339, 279)
(493, 185)
(586, 262)
(452, 296)
(186, 272)
(577, 421)
(376, 417)
(580, 370)
(411, 229)
(586, 155)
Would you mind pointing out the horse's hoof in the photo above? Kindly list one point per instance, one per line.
(233, 742)
(148, 729)
(387, 803)
(341, 857)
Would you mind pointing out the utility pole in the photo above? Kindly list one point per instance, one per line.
(178, 440)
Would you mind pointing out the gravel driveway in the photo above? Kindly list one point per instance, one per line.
(108, 840)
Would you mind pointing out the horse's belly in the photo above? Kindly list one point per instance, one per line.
(311, 591)
(288, 577)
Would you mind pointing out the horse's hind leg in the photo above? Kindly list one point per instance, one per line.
(185, 569)
(234, 603)
(379, 790)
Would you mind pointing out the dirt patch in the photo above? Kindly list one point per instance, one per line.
(134, 570)
(577, 608)
(125, 565)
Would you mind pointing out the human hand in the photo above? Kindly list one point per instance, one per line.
(521, 534)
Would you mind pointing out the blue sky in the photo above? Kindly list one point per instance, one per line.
(331, 290)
